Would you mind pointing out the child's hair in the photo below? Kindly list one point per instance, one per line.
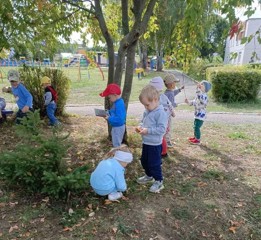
(150, 93)
(122, 147)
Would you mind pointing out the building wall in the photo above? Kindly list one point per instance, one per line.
(244, 51)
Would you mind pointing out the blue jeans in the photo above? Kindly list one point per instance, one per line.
(50, 109)
(20, 114)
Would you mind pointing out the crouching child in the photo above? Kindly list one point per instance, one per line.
(109, 176)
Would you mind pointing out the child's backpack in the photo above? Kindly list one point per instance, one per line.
(54, 93)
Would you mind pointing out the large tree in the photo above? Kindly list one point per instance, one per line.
(39, 20)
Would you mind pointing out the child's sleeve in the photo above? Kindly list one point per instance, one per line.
(118, 116)
(120, 181)
(28, 96)
(176, 92)
(47, 98)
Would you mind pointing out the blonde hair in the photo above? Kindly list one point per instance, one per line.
(122, 147)
(150, 93)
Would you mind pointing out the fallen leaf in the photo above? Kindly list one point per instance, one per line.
(232, 229)
(13, 228)
(125, 198)
(202, 184)
(167, 210)
(107, 201)
(91, 214)
(66, 229)
(114, 229)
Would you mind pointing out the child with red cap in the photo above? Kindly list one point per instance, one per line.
(117, 113)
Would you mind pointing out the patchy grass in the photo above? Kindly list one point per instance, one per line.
(212, 191)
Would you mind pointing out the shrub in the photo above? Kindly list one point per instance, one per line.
(37, 164)
(197, 68)
(31, 77)
(235, 86)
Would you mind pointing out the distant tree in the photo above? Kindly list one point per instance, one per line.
(216, 38)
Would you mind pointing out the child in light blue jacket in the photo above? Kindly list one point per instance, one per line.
(108, 177)
(152, 130)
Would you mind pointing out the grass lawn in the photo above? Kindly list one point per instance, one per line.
(212, 191)
(86, 90)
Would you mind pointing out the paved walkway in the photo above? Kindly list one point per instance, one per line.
(136, 109)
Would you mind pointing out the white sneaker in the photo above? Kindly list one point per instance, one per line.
(145, 179)
(156, 186)
(115, 196)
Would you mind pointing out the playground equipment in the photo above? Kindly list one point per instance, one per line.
(83, 52)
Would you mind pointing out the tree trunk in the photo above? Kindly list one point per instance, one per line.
(129, 73)
(144, 50)
(159, 60)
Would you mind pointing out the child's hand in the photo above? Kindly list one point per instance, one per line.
(106, 117)
(144, 131)
(25, 109)
(186, 101)
(138, 129)
(173, 113)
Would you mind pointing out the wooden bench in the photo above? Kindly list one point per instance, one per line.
(6, 112)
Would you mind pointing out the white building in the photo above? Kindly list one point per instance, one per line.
(237, 53)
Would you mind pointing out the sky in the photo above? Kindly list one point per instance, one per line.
(257, 14)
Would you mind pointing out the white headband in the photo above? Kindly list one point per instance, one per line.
(123, 156)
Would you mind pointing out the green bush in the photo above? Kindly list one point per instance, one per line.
(197, 68)
(31, 77)
(38, 165)
(235, 86)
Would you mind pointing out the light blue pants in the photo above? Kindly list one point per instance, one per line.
(117, 134)
(50, 109)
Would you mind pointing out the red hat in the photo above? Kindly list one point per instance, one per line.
(111, 89)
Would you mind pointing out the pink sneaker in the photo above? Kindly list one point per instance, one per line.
(195, 141)
(191, 138)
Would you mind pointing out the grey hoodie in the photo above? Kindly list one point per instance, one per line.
(156, 123)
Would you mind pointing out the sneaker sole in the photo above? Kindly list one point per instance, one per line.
(157, 191)
(143, 183)
(194, 143)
